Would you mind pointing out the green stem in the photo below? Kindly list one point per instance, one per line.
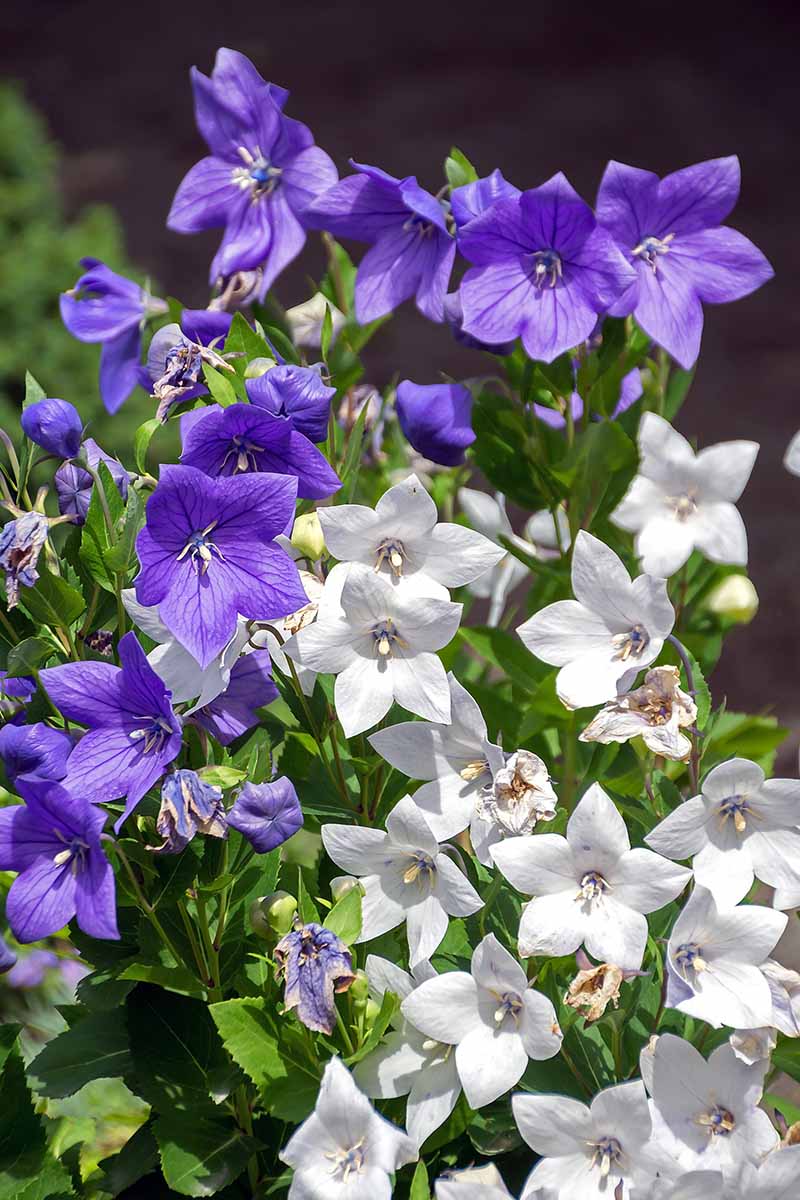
(348, 1041)
(199, 957)
(146, 906)
(9, 628)
(579, 1077)
(212, 954)
(663, 379)
(570, 757)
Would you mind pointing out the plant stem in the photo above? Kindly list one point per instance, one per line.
(694, 758)
(212, 954)
(12, 633)
(146, 906)
(199, 957)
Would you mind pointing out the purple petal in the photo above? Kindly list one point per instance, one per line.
(626, 203)
(34, 750)
(142, 691)
(422, 203)
(630, 391)
(95, 898)
(669, 310)
(86, 692)
(200, 609)
(296, 393)
(472, 199)
(247, 238)
(604, 274)
(41, 900)
(267, 814)
(234, 712)
(432, 287)
(55, 425)
(222, 119)
(498, 235)
(119, 368)
(108, 764)
(558, 319)
(390, 272)
(495, 300)
(555, 217)
(288, 238)
(308, 176)
(23, 838)
(205, 325)
(436, 420)
(361, 206)
(722, 264)
(206, 197)
(697, 197)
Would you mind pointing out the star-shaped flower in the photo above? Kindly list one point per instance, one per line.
(492, 1016)
(381, 647)
(602, 638)
(656, 712)
(671, 232)
(406, 876)
(681, 501)
(544, 270)
(403, 540)
(590, 887)
(344, 1150)
(714, 958)
(742, 826)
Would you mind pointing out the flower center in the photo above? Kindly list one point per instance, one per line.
(390, 551)
(718, 1121)
(245, 452)
(347, 1162)
(473, 770)
(631, 644)
(418, 226)
(509, 1004)
(155, 732)
(689, 957)
(74, 852)
(593, 887)
(385, 636)
(607, 1153)
(684, 506)
(421, 869)
(201, 550)
(258, 175)
(650, 248)
(547, 268)
(735, 807)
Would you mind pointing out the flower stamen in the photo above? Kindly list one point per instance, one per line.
(650, 248)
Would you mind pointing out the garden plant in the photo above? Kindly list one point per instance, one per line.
(361, 765)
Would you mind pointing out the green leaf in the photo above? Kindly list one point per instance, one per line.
(243, 340)
(141, 442)
(27, 655)
(389, 1006)
(458, 169)
(221, 389)
(121, 558)
(95, 1048)
(702, 694)
(52, 601)
(305, 905)
(34, 392)
(96, 537)
(248, 1035)
(281, 343)
(201, 1155)
(221, 777)
(27, 1171)
(420, 1188)
(326, 333)
(344, 919)
(349, 470)
(137, 1158)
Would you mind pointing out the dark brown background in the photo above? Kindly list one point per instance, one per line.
(531, 88)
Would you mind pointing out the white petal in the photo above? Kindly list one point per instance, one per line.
(664, 544)
(623, 1112)
(775, 854)
(380, 911)
(682, 833)
(616, 934)
(494, 969)
(485, 513)
(407, 508)
(551, 925)
(552, 1125)
(407, 826)
(663, 452)
(426, 925)
(326, 646)
(490, 1062)
(728, 874)
(720, 533)
(591, 679)
(362, 694)
(391, 1070)
(792, 457)
(419, 684)
(448, 804)
(146, 617)
(725, 469)
(385, 976)
(596, 832)
(599, 579)
(645, 881)
(536, 866)
(454, 891)
(444, 1008)
(455, 555)
(425, 622)
(432, 1099)
(350, 532)
(643, 501)
(538, 1027)
(566, 631)
(357, 850)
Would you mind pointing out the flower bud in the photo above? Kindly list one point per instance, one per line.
(55, 425)
(371, 1013)
(341, 885)
(307, 536)
(273, 916)
(359, 990)
(258, 366)
(734, 598)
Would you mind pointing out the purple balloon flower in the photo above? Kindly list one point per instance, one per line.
(108, 308)
(267, 814)
(297, 394)
(20, 543)
(315, 964)
(133, 734)
(412, 249)
(544, 270)
(436, 419)
(262, 174)
(241, 438)
(233, 712)
(472, 199)
(188, 806)
(208, 553)
(15, 692)
(74, 484)
(34, 751)
(55, 425)
(53, 842)
(670, 230)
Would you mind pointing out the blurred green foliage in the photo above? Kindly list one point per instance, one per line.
(39, 257)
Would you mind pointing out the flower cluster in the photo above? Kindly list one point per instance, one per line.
(565, 933)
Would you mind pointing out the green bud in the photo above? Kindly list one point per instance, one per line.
(371, 1013)
(341, 885)
(273, 916)
(359, 990)
(258, 366)
(735, 598)
(307, 536)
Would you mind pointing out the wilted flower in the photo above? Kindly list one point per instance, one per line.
(594, 988)
(188, 806)
(314, 964)
(55, 425)
(520, 795)
(784, 986)
(74, 484)
(681, 501)
(753, 1045)
(602, 638)
(21, 541)
(656, 712)
(267, 814)
(345, 1150)
(473, 1183)
(175, 358)
(436, 419)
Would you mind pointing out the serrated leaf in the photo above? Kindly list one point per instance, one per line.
(95, 1048)
(27, 655)
(200, 1156)
(121, 557)
(458, 169)
(248, 1035)
(344, 919)
(52, 601)
(141, 443)
(27, 1170)
(137, 1158)
(96, 537)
